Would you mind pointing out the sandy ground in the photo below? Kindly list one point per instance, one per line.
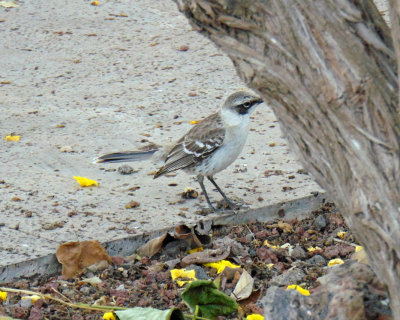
(78, 81)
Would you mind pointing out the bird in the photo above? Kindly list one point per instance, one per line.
(209, 147)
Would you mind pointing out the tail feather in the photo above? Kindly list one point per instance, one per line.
(127, 156)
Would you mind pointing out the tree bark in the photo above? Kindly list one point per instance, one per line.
(328, 69)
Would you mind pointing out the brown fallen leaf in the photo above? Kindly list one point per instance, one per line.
(205, 256)
(75, 256)
(150, 248)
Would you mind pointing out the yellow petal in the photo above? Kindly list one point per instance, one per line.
(303, 291)
(109, 316)
(33, 298)
(181, 283)
(312, 249)
(3, 295)
(334, 262)
(12, 138)
(341, 234)
(196, 250)
(221, 265)
(183, 273)
(267, 244)
(85, 182)
(270, 265)
(254, 317)
(359, 248)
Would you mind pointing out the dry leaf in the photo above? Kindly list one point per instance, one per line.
(76, 256)
(205, 256)
(150, 248)
(244, 287)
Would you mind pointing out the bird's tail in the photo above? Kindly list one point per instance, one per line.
(126, 156)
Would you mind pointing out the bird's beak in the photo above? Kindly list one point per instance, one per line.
(258, 101)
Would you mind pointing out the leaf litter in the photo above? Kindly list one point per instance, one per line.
(225, 272)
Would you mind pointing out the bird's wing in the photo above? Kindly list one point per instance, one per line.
(199, 143)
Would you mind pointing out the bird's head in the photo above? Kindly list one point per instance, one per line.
(241, 102)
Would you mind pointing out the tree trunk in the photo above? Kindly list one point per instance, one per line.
(328, 70)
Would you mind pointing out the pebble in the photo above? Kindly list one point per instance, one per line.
(200, 273)
(319, 222)
(292, 276)
(298, 253)
(125, 169)
(317, 260)
(85, 290)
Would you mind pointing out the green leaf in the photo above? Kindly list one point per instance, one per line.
(211, 301)
(139, 313)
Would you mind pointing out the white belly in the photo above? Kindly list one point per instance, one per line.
(235, 139)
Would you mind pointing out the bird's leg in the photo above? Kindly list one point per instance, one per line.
(200, 179)
(228, 202)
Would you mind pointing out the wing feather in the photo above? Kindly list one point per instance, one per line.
(199, 143)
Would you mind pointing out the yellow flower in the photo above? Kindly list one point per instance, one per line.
(193, 122)
(270, 265)
(109, 316)
(312, 249)
(266, 243)
(341, 234)
(33, 298)
(359, 248)
(12, 138)
(3, 295)
(196, 250)
(85, 182)
(254, 317)
(183, 273)
(334, 262)
(221, 265)
(94, 3)
(303, 291)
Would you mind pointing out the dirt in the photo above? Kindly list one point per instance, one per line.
(146, 282)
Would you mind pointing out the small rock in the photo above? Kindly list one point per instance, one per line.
(132, 204)
(35, 314)
(68, 292)
(66, 149)
(317, 260)
(320, 222)
(292, 276)
(200, 272)
(298, 253)
(26, 303)
(184, 48)
(85, 290)
(126, 169)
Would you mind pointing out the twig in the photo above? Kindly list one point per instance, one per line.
(50, 297)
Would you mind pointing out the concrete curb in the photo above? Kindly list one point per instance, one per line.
(48, 265)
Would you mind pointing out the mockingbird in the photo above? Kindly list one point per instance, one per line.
(207, 148)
